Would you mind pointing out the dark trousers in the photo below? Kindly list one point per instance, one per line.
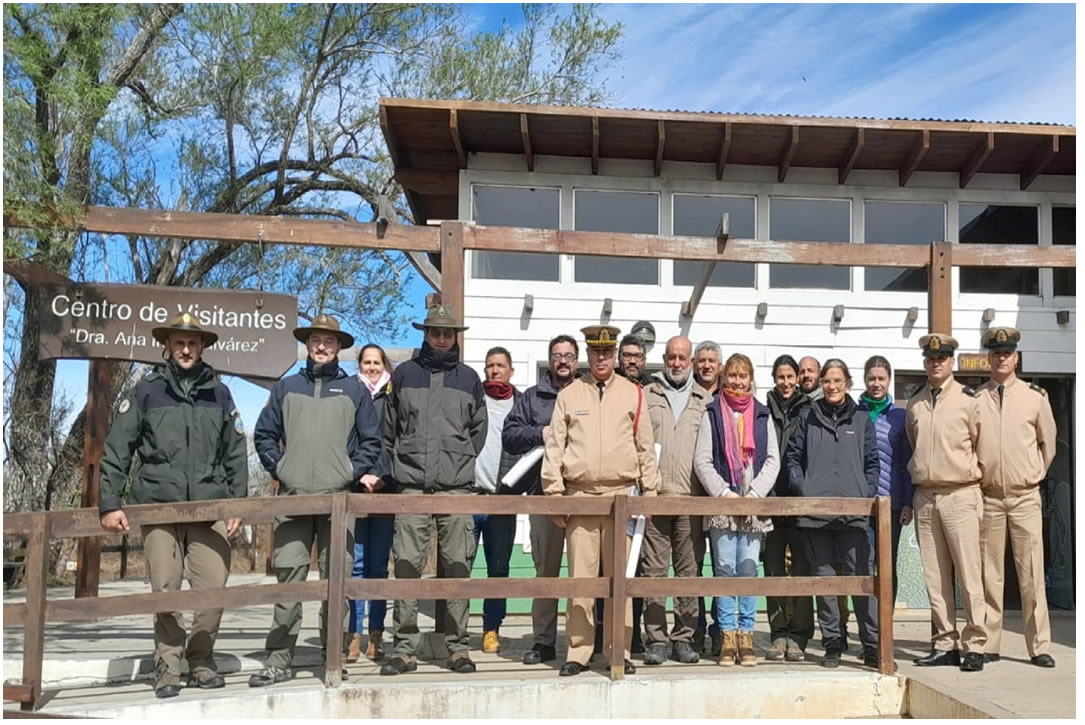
(852, 547)
(497, 533)
(789, 617)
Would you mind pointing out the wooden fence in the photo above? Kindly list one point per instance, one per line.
(39, 528)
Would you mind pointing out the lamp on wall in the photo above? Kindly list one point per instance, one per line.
(912, 316)
(608, 306)
(838, 313)
(989, 315)
(646, 332)
(1062, 316)
(529, 303)
(762, 310)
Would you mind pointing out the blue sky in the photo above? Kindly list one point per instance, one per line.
(982, 62)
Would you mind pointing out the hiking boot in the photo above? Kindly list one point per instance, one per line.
(656, 654)
(794, 652)
(747, 657)
(270, 675)
(166, 683)
(461, 662)
(777, 650)
(684, 653)
(354, 648)
(538, 654)
(490, 643)
(728, 648)
(399, 664)
(374, 650)
(205, 678)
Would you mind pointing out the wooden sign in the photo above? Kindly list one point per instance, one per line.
(114, 322)
(977, 363)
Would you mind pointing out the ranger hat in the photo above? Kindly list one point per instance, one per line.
(938, 344)
(601, 335)
(184, 322)
(443, 316)
(1001, 338)
(323, 323)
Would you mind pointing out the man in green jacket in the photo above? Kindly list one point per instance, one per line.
(191, 444)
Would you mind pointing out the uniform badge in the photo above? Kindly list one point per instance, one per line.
(239, 427)
(604, 335)
(125, 405)
(1001, 336)
(935, 343)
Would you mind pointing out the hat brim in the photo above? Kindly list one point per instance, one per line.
(162, 335)
(301, 334)
(423, 326)
(938, 353)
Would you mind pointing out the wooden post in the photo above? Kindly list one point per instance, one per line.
(99, 389)
(940, 289)
(616, 605)
(337, 573)
(37, 563)
(884, 582)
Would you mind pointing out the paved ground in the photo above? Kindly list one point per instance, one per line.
(81, 658)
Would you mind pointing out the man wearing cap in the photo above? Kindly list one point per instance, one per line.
(434, 428)
(942, 423)
(318, 433)
(1016, 447)
(183, 423)
(600, 444)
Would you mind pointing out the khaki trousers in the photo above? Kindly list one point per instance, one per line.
(678, 540)
(1021, 515)
(948, 523)
(547, 547)
(590, 540)
(201, 551)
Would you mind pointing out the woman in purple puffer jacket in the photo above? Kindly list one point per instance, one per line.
(894, 451)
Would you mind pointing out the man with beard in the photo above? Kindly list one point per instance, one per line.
(631, 359)
(526, 427)
(435, 425)
(810, 378)
(675, 405)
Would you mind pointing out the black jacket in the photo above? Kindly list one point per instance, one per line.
(833, 453)
(523, 430)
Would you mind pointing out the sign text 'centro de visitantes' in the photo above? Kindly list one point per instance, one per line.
(115, 321)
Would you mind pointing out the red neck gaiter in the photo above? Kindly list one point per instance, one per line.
(497, 389)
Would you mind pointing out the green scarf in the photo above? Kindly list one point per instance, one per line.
(875, 407)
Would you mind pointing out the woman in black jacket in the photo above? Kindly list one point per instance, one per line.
(834, 453)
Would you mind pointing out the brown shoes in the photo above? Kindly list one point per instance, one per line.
(746, 655)
(354, 648)
(729, 649)
(375, 649)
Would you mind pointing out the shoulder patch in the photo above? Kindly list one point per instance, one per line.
(239, 427)
(1038, 389)
(125, 406)
(969, 390)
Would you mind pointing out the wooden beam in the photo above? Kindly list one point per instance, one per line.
(389, 136)
(37, 570)
(452, 234)
(1014, 255)
(525, 135)
(722, 233)
(428, 181)
(850, 158)
(457, 141)
(751, 586)
(788, 154)
(99, 389)
(595, 145)
(618, 554)
(1045, 151)
(14, 692)
(725, 148)
(426, 269)
(922, 146)
(975, 161)
(940, 288)
(661, 141)
(241, 228)
(884, 584)
(338, 542)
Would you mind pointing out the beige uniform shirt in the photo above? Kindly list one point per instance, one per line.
(1017, 439)
(943, 436)
(676, 440)
(592, 448)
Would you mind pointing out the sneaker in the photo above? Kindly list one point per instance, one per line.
(399, 664)
(270, 675)
(777, 650)
(656, 654)
(684, 653)
(461, 662)
(490, 643)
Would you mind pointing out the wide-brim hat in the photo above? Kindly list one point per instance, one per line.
(324, 323)
(443, 316)
(183, 322)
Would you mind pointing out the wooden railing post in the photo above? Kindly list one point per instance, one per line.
(884, 582)
(616, 605)
(337, 561)
(37, 563)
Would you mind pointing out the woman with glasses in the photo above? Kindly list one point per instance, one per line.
(834, 453)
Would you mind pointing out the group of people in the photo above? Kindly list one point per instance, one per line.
(964, 463)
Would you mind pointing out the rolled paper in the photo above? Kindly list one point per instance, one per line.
(523, 466)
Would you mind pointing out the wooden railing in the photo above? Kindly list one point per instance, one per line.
(39, 528)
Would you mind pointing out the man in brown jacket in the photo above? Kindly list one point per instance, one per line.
(675, 405)
(598, 446)
(943, 426)
(1015, 449)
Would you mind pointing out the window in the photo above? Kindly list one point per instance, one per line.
(888, 222)
(616, 211)
(993, 224)
(699, 216)
(510, 206)
(809, 220)
(1063, 226)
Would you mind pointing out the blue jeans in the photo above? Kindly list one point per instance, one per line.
(372, 545)
(497, 533)
(735, 553)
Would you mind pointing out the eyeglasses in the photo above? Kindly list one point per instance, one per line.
(632, 356)
(563, 356)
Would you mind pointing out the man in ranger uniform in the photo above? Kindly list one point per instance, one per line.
(183, 423)
(1016, 447)
(943, 427)
(598, 446)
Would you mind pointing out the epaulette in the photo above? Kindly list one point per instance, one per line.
(1038, 389)
(969, 390)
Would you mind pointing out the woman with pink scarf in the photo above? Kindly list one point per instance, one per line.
(736, 455)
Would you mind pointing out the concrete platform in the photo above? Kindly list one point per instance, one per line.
(104, 669)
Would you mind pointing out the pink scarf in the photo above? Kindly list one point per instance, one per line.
(738, 442)
(375, 388)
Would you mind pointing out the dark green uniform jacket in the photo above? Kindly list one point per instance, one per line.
(189, 438)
